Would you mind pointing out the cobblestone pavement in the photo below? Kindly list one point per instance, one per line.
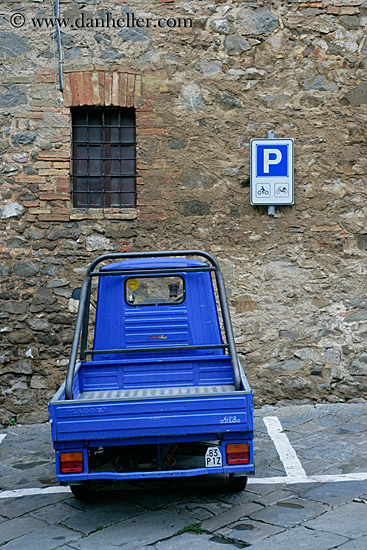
(295, 512)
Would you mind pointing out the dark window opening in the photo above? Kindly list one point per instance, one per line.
(104, 157)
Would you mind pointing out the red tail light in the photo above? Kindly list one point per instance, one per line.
(238, 453)
(71, 463)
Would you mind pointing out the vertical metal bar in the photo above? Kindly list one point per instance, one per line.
(159, 457)
(73, 179)
(119, 154)
(87, 129)
(271, 208)
(107, 154)
(84, 338)
(228, 329)
(103, 151)
(134, 176)
(58, 34)
(75, 344)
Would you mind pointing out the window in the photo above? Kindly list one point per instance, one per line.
(104, 157)
(158, 290)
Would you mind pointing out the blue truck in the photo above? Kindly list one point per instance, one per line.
(154, 387)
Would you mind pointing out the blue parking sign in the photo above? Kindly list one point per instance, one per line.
(271, 179)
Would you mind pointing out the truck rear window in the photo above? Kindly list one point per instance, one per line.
(145, 291)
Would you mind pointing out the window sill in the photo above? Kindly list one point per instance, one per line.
(104, 213)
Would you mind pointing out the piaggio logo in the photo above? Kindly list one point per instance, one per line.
(157, 337)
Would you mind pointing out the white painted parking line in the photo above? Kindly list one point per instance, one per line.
(292, 465)
(2, 436)
(34, 491)
(287, 480)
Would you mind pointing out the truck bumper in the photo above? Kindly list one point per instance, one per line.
(75, 478)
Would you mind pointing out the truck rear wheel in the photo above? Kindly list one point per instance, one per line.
(237, 483)
(82, 491)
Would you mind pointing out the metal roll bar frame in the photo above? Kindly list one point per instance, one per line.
(81, 325)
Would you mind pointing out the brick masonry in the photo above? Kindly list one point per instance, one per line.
(296, 282)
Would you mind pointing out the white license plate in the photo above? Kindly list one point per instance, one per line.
(213, 457)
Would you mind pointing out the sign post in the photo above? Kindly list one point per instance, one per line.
(272, 172)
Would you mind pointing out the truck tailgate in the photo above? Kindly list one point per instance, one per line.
(123, 418)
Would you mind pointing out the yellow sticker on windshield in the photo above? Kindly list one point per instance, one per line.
(133, 284)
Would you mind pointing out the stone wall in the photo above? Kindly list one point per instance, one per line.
(296, 282)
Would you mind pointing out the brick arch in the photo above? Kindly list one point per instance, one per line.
(102, 88)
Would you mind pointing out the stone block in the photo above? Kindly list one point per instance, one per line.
(356, 544)
(350, 22)
(332, 356)
(221, 26)
(194, 179)
(114, 512)
(234, 514)
(305, 354)
(302, 539)
(12, 44)
(191, 540)
(357, 96)
(359, 366)
(348, 520)
(11, 210)
(97, 242)
(130, 90)
(146, 529)
(17, 527)
(334, 494)
(228, 100)
(290, 364)
(123, 90)
(47, 538)
(20, 157)
(258, 22)
(23, 138)
(20, 337)
(38, 382)
(244, 304)
(44, 301)
(14, 307)
(319, 82)
(356, 316)
(191, 98)
(290, 512)
(195, 208)
(12, 96)
(235, 44)
(134, 35)
(249, 531)
(290, 334)
(26, 268)
(23, 366)
(209, 66)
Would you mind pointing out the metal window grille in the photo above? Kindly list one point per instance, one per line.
(104, 157)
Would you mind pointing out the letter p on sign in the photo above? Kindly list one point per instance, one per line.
(271, 156)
